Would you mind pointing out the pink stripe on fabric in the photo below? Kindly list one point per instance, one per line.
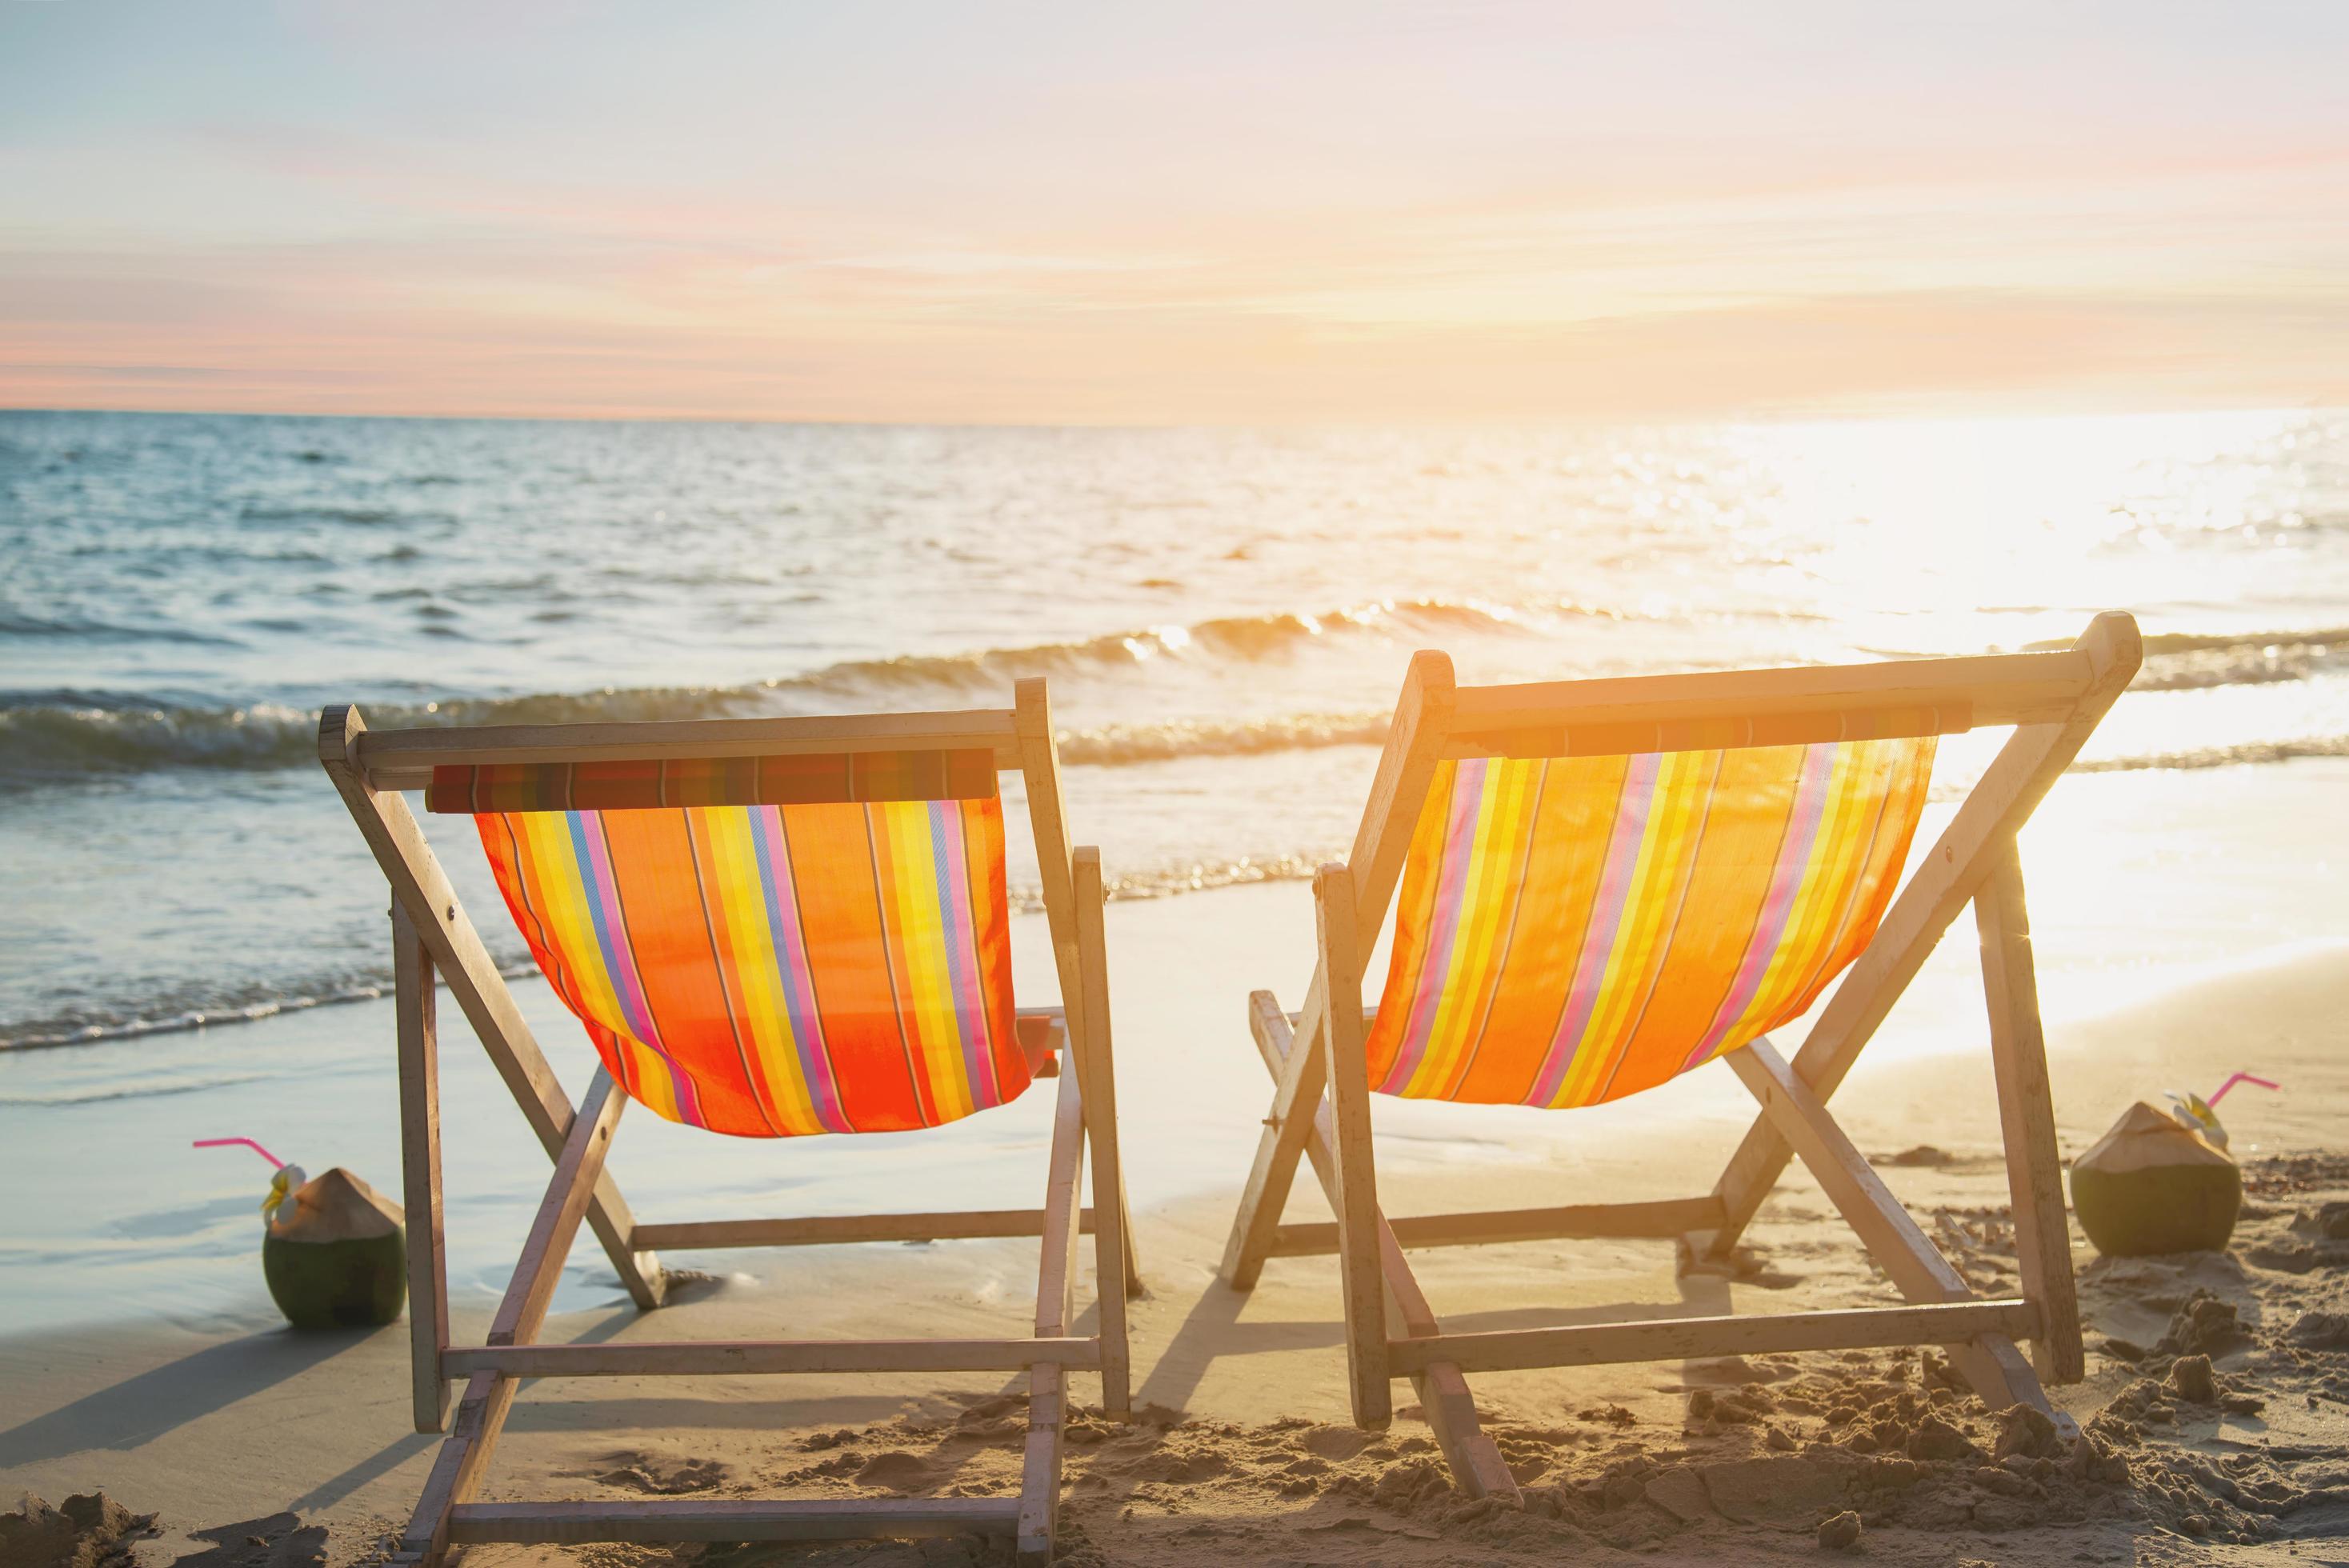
(961, 937)
(788, 944)
(1785, 880)
(1451, 888)
(631, 986)
(594, 856)
(1630, 830)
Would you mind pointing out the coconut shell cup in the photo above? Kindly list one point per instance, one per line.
(2151, 1186)
(340, 1259)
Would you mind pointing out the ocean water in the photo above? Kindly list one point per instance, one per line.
(1224, 615)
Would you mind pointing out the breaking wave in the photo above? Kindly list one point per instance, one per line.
(2185, 661)
(47, 737)
(61, 734)
(2242, 755)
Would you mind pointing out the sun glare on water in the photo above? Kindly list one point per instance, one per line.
(1960, 536)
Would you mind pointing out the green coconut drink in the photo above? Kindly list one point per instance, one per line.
(2154, 1185)
(336, 1255)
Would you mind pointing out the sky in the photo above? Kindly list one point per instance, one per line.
(1205, 213)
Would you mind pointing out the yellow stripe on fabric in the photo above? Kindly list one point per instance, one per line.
(738, 917)
(1500, 877)
(1785, 808)
(656, 1086)
(1670, 924)
(922, 950)
(1910, 772)
(742, 891)
(565, 910)
(1471, 946)
(1456, 984)
(1826, 880)
(1665, 855)
(1796, 959)
(1872, 767)
(1897, 771)
(1414, 921)
(762, 1007)
(1780, 979)
(1595, 1055)
(1686, 789)
(562, 894)
(1442, 1026)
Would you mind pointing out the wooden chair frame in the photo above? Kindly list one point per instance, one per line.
(2054, 700)
(431, 934)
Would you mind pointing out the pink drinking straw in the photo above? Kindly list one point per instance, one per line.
(277, 1164)
(2212, 1101)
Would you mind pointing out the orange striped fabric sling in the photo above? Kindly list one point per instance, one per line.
(1576, 929)
(834, 957)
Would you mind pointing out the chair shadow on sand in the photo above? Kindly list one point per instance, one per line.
(616, 1416)
(1213, 1329)
(146, 1406)
(578, 1414)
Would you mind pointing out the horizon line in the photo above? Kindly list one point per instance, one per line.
(1790, 417)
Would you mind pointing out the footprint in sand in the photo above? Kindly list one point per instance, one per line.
(898, 1471)
(658, 1475)
(1337, 1442)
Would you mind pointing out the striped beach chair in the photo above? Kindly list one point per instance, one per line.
(771, 928)
(1599, 885)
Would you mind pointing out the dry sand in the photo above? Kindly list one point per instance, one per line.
(269, 1450)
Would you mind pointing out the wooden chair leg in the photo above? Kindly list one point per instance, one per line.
(1048, 1387)
(2042, 1237)
(464, 1456)
(1444, 1398)
(1990, 1363)
(1040, 1465)
(415, 995)
(1112, 1254)
(457, 1468)
(1406, 766)
(1298, 1083)
(1357, 1200)
(1451, 1410)
(1039, 768)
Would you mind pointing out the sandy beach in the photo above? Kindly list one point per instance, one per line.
(255, 1446)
